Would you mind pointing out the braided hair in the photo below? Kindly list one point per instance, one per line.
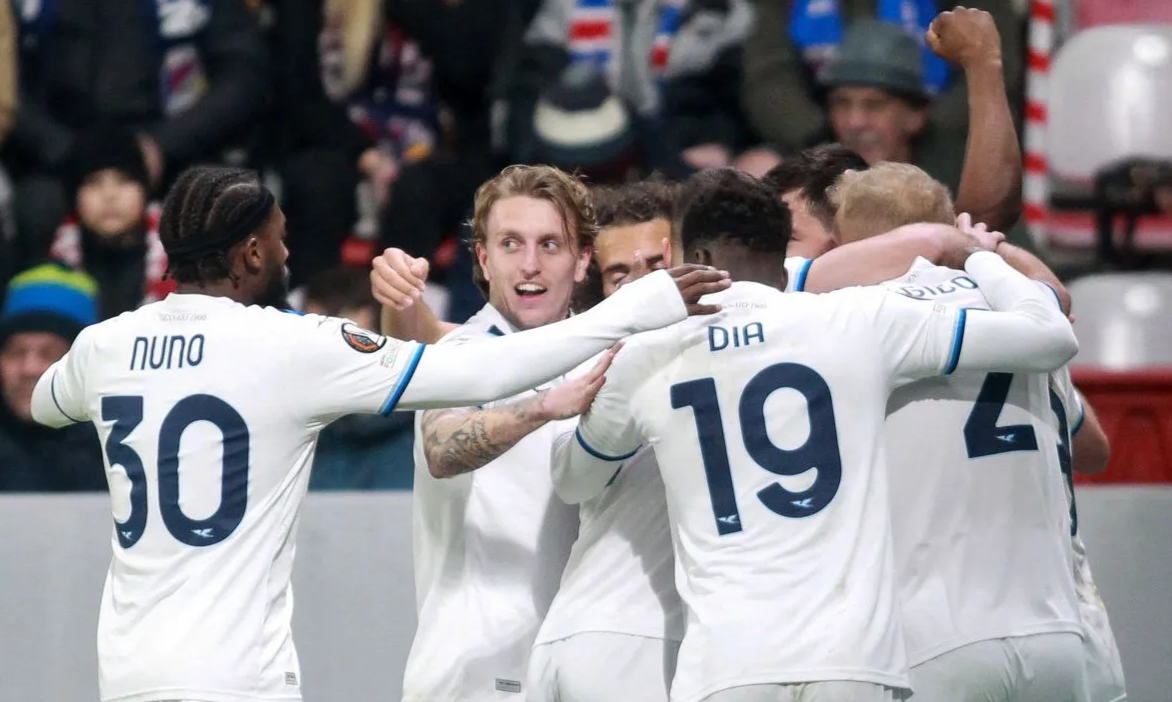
(204, 204)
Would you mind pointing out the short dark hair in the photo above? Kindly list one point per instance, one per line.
(341, 288)
(814, 171)
(727, 205)
(632, 203)
(205, 202)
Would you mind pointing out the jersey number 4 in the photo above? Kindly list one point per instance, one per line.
(819, 453)
(982, 436)
(125, 412)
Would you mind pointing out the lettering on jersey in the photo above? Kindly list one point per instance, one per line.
(921, 292)
(290, 678)
(166, 352)
(508, 685)
(719, 338)
(182, 317)
(361, 340)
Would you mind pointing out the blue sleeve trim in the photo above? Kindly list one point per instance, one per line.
(600, 455)
(404, 379)
(800, 283)
(1057, 299)
(295, 312)
(53, 393)
(1082, 415)
(957, 342)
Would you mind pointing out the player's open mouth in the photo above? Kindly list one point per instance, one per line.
(529, 290)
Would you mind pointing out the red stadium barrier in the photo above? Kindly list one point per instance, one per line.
(1135, 409)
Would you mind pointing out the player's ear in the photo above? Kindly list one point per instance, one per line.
(253, 256)
(583, 264)
(482, 259)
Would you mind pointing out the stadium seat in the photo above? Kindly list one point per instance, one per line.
(1123, 320)
(1095, 13)
(1110, 99)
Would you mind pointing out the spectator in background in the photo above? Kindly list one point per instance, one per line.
(792, 40)
(191, 81)
(358, 452)
(113, 235)
(675, 64)
(7, 113)
(44, 310)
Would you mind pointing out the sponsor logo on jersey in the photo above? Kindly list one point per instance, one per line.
(361, 340)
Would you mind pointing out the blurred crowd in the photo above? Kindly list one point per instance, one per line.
(376, 120)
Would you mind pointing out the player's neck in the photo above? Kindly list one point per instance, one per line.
(219, 288)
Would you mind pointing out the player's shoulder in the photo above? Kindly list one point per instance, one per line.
(949, 286)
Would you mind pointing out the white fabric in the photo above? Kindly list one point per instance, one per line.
(198, 602)
(620, 576)
(812, 692)
(980, 520)
(765, 604)
(489, 546)
(1104, 669)
(208, 616)
(602, 667)
(1038, 668)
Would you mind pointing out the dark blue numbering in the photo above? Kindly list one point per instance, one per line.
(125, 412)
(983, 437)
(820, 452)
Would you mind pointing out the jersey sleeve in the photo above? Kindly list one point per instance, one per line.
(915, 338)
(59, 396)
(1072, 402)
(350, 370)
(584, 461)
(1026, 331)
(483, 370)
(798, 268)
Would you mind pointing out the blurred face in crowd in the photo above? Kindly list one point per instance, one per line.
(111, 204)
(530, 261)
(628, 252)
(810, 238)
(878, 125)
(23, 359)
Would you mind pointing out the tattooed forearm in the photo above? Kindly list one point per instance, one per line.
(457, 441)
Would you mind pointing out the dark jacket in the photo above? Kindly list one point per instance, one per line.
(34, 458)
(364, 452)
(99, 62)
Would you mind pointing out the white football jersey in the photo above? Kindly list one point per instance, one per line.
(620, 577)
(979, 509)
(1104, 667)
(490, 547)
(767, 422)
(209, 412)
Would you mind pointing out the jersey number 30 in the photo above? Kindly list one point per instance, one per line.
(125, 412)
(820, 452)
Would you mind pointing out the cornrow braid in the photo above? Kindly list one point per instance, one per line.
(205, 202)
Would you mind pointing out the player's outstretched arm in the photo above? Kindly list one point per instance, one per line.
(59, 395)
(457, 441)
(484, 371)
(881, 258)
(397, 281)
(586, 460)
(1026, 331)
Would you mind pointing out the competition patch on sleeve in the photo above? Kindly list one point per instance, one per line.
(361, 340)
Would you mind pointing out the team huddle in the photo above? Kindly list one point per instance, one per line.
(830, 460)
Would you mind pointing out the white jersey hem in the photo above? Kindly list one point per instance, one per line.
(1059, 627)
(799, 677)
(562, 635)
(201, 695)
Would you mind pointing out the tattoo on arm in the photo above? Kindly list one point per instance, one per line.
(458, 441)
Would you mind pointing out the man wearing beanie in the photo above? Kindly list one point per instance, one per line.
(113, 235)
(44, 310)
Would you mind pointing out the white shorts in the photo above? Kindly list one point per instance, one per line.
(1039, 668)
(602, 667)
(833, 691)
(1104, 671)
